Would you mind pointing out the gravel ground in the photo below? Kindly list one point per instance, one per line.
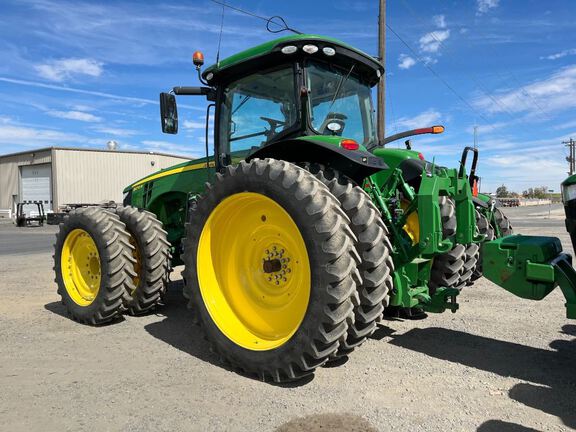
(500, 364)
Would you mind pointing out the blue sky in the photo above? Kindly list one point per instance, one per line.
(82, 73)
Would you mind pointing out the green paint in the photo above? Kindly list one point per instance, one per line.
(531, 267)
(267, 47)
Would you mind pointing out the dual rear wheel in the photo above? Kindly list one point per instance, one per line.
(110, 261)
(278, 269)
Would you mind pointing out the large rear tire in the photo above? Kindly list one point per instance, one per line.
(151, 252)
(374, 249)
(93, 264)
(270, 269)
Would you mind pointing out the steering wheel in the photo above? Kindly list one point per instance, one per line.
(273, 122)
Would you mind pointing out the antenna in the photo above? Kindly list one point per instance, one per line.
(221, 28)
(281, 22)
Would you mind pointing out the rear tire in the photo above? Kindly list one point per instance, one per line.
(485, 227)
(151, 252)
(374, 249)
(93, 264)
(328, 276)
(447, 268)
(503, 223)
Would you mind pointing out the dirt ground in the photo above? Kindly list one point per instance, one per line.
(500, 364)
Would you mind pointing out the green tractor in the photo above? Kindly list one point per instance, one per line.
(299, 232)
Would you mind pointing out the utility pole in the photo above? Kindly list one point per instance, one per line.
(382, 83)
(572, 158)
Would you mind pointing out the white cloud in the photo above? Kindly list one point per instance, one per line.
(60, 70)
(432, 41)
(483, 6)
(27, 136)
(169, 147)
(427, 118)
(405, 61)
(439, 21)
(555, 93)
(116, 131)
(560, 54)
(191, 124)
(75, 115)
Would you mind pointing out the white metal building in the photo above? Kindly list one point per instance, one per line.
(58, 175)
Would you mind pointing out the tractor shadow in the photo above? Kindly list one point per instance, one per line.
(178, 330)
(550, 374)
(58, 308)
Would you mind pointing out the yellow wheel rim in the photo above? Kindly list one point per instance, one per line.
(253, 271)
(80, 266)
(412, 225)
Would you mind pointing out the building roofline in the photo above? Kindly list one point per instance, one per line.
(43, 149)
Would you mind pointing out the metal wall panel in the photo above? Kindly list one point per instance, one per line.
(82, 176)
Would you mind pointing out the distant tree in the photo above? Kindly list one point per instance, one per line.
(539, 192)
(502, 192)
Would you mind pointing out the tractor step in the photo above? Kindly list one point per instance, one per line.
(531, 267)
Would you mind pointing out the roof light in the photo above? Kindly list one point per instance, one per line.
(349, 144)
(437, 129)
(289, 49)
(310, 49)
(198, 58)
(329, 51)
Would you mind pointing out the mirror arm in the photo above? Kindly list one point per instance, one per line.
(209, 92)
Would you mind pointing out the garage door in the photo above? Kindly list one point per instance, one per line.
(37, 184)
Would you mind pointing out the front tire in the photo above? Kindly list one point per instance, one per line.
(270, 269)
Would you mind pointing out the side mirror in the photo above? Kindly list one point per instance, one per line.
(168, 113)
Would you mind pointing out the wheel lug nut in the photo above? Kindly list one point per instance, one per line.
(277, 283)
(284, 279)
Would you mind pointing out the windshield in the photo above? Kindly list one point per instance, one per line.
(256, 109)
(340, 104)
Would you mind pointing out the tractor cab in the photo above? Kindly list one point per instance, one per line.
(300, 89)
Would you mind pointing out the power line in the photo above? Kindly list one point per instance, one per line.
(477, 82)
(480, 85)
(433, 72)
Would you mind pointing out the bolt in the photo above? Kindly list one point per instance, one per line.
(288, 270)
(270, 279)
(277, 283)
(274, 247)
(267, 252)
(284, 279)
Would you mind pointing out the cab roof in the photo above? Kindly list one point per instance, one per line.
(270, 54)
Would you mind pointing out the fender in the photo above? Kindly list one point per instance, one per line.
(356, 164)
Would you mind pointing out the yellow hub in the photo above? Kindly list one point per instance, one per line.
(80, 266)
(412, 225)
(253, 271)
